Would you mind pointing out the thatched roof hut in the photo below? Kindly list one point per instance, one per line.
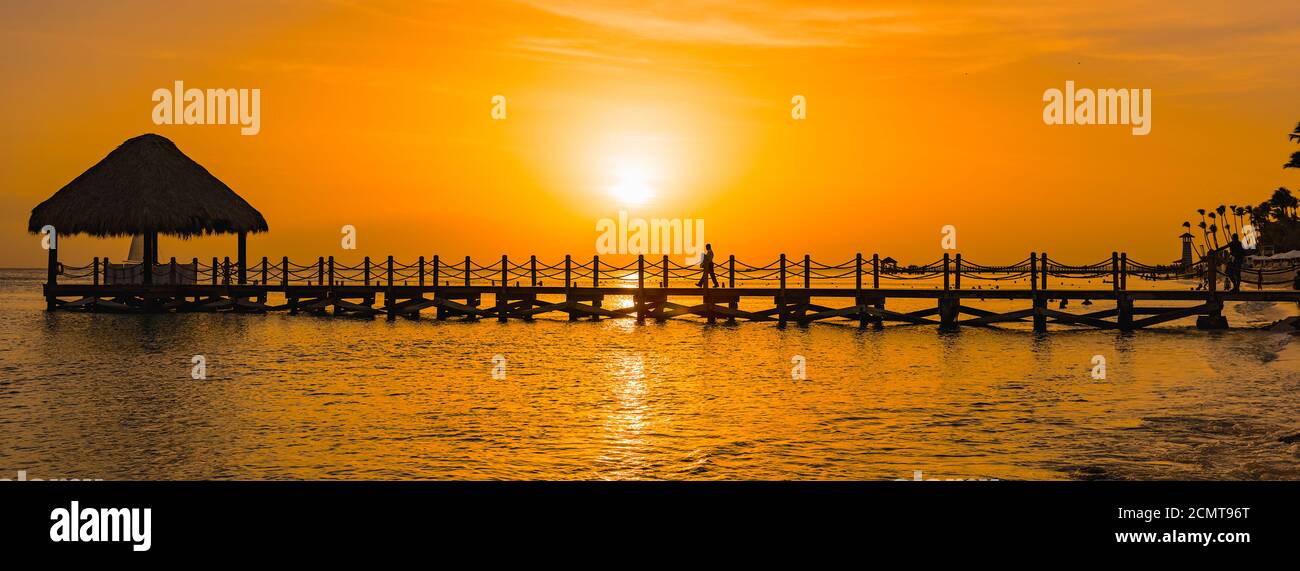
(146, 186)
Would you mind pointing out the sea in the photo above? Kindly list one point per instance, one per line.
(280, 397)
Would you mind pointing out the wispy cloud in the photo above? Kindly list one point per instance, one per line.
(736, 23)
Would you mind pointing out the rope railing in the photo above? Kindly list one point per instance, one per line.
(661, 271)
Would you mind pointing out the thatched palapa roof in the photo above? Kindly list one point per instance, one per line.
(146, 185)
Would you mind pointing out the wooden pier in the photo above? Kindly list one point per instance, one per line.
(798, 291)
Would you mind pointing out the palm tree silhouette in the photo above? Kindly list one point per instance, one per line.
(1295, 157)
(1226, 224)
(1284, 202)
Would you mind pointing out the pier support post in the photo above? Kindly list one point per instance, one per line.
(1213, 318)
(948, 313)
(1040, 315)
(1124, 306)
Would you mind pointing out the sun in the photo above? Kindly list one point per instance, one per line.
(633, 181)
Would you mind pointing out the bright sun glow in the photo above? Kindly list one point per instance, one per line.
(634, 181)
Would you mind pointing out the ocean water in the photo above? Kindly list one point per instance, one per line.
(302, 397)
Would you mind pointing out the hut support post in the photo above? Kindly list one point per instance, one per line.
(243, 258)
(150, 256)
(52, 271)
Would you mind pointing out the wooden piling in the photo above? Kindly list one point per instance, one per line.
(640, 288)
(243, 258)
(501, 293)
(780, 297)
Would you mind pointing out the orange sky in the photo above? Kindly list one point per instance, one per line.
(377, 114)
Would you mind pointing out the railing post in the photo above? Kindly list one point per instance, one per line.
(957, 274)
(595, 271)
(807, 271)
(194, 260)
(320, 271)
(467, 271)
(1123, 271)
(875, 271)
(640, 288)
(421, 280)
(171, 271)
(665, 273)
(331, 271)
(780, 296)
(1039, 301)
(568, 271)
(857, 276)
(436, 283)
(366, 271)
(216, 267)
(1033, 271)
(1114, 271)
(95, 273)
(1044, 286)
(501, 293)
(731, 271)
(532, 269)
(857, 293)
(389, 301)
(284, 271)
(225, 270)
(946, 284)
(264, 270)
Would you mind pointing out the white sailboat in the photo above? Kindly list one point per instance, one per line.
(136, 253)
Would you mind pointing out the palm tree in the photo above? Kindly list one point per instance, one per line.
(1227, 226)
(1295, 157)
(1214, 232)
(1203, 223)
(1284, 201)
(1205, 236)
(1236, 212)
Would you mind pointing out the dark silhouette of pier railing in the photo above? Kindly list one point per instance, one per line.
(457, 286)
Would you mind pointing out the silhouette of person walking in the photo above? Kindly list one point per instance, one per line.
(1237, 258)
(706, 265)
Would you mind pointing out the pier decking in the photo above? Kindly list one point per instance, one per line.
(800, 291)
